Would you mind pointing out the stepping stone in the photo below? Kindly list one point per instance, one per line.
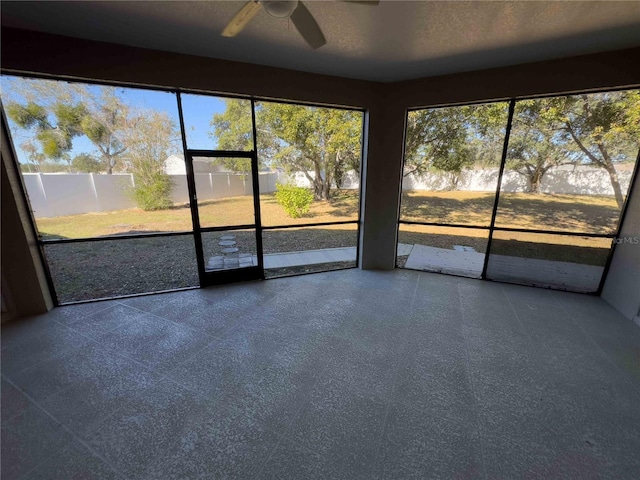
(226, 243)
(230, 250)
(215, 261)
(231, 263)
(227, 237)
(214, 266)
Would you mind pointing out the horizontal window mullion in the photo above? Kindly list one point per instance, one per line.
(55, 241)
(304, 225)
(220, 153)
(452, 225)
(511, 229)
(554, 232)
(251, 226)
(132, 295)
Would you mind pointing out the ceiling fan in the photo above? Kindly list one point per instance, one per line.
(293, 9)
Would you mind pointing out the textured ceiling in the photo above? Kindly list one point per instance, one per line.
(395, 40)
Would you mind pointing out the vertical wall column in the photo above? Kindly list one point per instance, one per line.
(22, 270)
(622, 285)
(382, 167)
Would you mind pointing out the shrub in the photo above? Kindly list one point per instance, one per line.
(152, 191)
(295, 200)
(86, 164)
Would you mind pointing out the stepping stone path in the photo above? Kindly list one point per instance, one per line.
(230, 257)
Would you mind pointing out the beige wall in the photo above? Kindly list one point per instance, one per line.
(622, 286)
(385, 103)
(24, 285)
(596, 71)
(56, 55)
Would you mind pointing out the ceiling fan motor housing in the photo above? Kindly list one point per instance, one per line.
(280, 9)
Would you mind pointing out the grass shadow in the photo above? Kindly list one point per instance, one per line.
(558, 212)
(577, 213)
(548, 251)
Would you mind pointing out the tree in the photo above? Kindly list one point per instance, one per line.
(535, 145)
(345, 146)
(34, 155)
(56, 112)
(314, 139)
(152, 141)
(233, 131)
(322, 143)
(53, 128)
(54, 167)
(451, 139)
(107, 125)
(85, 163)
(435, 138)
(605, 128)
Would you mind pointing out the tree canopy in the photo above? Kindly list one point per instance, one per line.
(322, 143)
(108, 124)
(233, 130)
(54, 129)
(450, 139)
(55, 113)
(535, 146)
(604, 127)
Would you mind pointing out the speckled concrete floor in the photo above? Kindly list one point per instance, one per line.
(350, 374)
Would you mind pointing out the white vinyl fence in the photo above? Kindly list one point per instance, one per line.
(56, 194)
(567, 180)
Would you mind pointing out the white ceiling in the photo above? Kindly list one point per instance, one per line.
(396, 40)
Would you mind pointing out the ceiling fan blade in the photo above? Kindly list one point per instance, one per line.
(307, 26)
(240, 19)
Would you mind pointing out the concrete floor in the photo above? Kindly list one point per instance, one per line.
(351, 374)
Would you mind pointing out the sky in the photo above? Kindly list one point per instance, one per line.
(198, 111)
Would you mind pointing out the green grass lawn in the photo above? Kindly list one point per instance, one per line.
(579, 213)
(575, 213)
(217, 213)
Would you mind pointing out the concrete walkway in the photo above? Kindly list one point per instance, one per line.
(530, 271)
(310, 257)
(313, 257)
(442, 260)
(288, 259)
(296, 259)
(576, 277)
